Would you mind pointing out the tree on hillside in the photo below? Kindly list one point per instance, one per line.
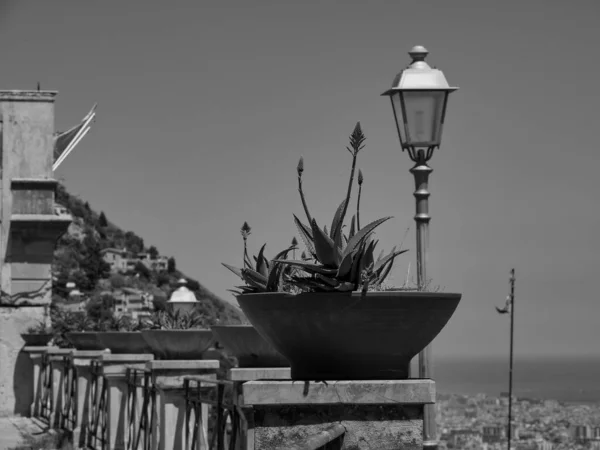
(153, 252)
(171, 265)
(102, 220)
(100, 308)
(143, 270)
(133, 242)
(162, 279)
(87, 207)
(92, 263)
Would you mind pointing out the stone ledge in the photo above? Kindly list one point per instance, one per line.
(416, 392)
(28, 96)
(259, 373)
(203, 364)
(34, 349)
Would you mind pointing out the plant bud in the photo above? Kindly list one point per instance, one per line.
(300, 167)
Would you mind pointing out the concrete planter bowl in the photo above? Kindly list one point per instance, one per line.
(249, 347)
(37, 339)
(178, 344)
(84, 340)
(120, 342)
(345, 336)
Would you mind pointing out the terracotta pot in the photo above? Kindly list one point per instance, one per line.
(36, 339)
(178, 344)
(249, 347)
(345, 336)
(120, 342)
(85, 340)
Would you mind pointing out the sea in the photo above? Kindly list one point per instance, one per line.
(566, 379)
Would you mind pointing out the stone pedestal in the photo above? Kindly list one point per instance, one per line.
(56, 357)
(168, 379)
(243, 374)
(82, 360)
(113, 370)
(36, 354)
(383, 415)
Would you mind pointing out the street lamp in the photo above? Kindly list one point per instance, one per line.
(182, 299)
(419, 96)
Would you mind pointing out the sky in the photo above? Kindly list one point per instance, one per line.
(205, 107)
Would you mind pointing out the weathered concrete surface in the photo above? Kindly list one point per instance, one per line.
(389, 427)
(258, 373)
(332, 392)
(382, 415)
(13, 431)
(16, 368)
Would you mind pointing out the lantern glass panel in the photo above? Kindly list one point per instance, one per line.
(398, 117)
(423, 114)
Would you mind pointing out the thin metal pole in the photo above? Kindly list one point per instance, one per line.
(510, 370)
(421, 173)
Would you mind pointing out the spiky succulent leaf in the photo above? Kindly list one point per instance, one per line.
(352, 228)
(355, 271)
(251, 273)
(345, 266)
(323, 246)
(275, 279)
(390, 257)
(336, 219)
(312, 268)
(262, 266)
(235, 270)
(328, 281)
(366, 260)
(306, 235)
(362, 234)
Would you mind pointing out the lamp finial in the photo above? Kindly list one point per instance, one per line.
(418, 53)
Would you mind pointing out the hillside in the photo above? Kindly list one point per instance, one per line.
(78, 258)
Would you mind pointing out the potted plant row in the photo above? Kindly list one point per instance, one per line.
(177, 335)
(38, 335)
(331, 313)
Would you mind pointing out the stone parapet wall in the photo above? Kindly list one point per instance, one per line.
(16, 370)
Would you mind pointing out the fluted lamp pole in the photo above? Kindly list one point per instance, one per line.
(419, 96)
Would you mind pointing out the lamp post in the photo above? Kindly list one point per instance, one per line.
(182, 299)
(419, 95)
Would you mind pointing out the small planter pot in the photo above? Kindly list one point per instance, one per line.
(121, 342)
(249, 347)
(178, 344)
(37, 339)
(85, 340)
(349, 336)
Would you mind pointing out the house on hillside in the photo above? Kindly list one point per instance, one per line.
(158, 264)
(116, 258)
(121, 261)
(132, 302)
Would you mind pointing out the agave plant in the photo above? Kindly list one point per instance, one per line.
(340, 262)
(123, 323)
(172, 319)
(263, 275)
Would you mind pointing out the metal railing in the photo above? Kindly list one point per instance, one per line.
(97, 424)
(46, 389)
(68, 415)
(141, 420)
(226, 421)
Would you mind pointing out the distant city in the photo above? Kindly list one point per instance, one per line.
(480, 422)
